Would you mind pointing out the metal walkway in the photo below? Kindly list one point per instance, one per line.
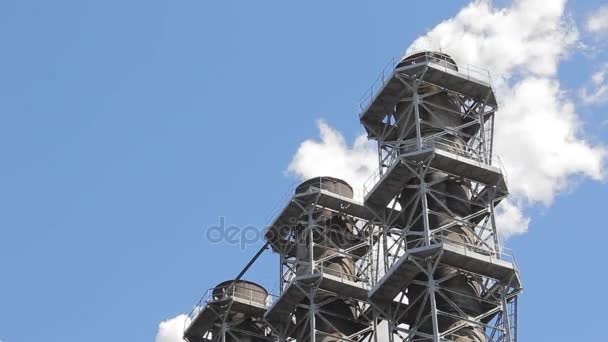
(212, 312)
(295, 293)
(400, 275)
(277, 233)
(427, 71)
(398, 175)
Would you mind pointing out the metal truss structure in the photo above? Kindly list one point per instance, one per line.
(323, 239)
(231, 311)
(419, 259)
(440, 273)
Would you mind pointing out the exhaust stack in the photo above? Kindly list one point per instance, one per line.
(433, 121)
(230, 312)
(330, 231)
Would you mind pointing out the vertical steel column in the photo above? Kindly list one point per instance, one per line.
(505, 313)
(425, 210)
(417, 111)
(491, 195)
(310, 242)
(312, 319)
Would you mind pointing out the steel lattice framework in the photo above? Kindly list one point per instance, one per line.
(440, 273)
(323, 240)
(420, 259)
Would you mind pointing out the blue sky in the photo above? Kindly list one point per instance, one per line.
(130, 127)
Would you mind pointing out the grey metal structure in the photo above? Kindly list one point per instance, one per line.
(231, 311)
(435, 194)
(321, 237)
(419, 259)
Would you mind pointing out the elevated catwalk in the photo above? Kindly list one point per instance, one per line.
(296, 292)
(278, 232)
(213, 312)
(428, 70)
(398, 175)
(406, 269)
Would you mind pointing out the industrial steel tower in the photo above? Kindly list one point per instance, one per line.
(441, 274)
(419, 259)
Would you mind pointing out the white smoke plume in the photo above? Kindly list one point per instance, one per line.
(538, 133)
(332, 156)
(171, 330)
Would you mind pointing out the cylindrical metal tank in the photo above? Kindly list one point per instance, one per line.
(440, 58)
(332, 184)
(333, 230)
(241, 321)
(440, 110)
(454, 195)
(242, 289)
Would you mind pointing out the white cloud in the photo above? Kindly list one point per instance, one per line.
(528, 37)
(597, 92)
(511, 219)
(598, 21)
(538, 137)
(538, 133)
(332, 156)
(171, 330)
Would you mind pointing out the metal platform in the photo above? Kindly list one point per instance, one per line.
(344, 287)
(383, 103)
(462, 82)
(398, 175)
(394, 281)
(279, 311)
(483, 198)
(293, 210)
(402, 272)
(427, 71)
(466, 167)
(212, 312)
(388, 186)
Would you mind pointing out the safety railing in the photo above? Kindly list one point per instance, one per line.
(377, 85)
(290, 193)
(460, 240)
(322, 183)
(457, 147)
(388, 161)
(246, 294)
(466, 71)
(280, 204)
(446, 144)
(500, 253)
(358, 275)
(333, 260)
(354, 276)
